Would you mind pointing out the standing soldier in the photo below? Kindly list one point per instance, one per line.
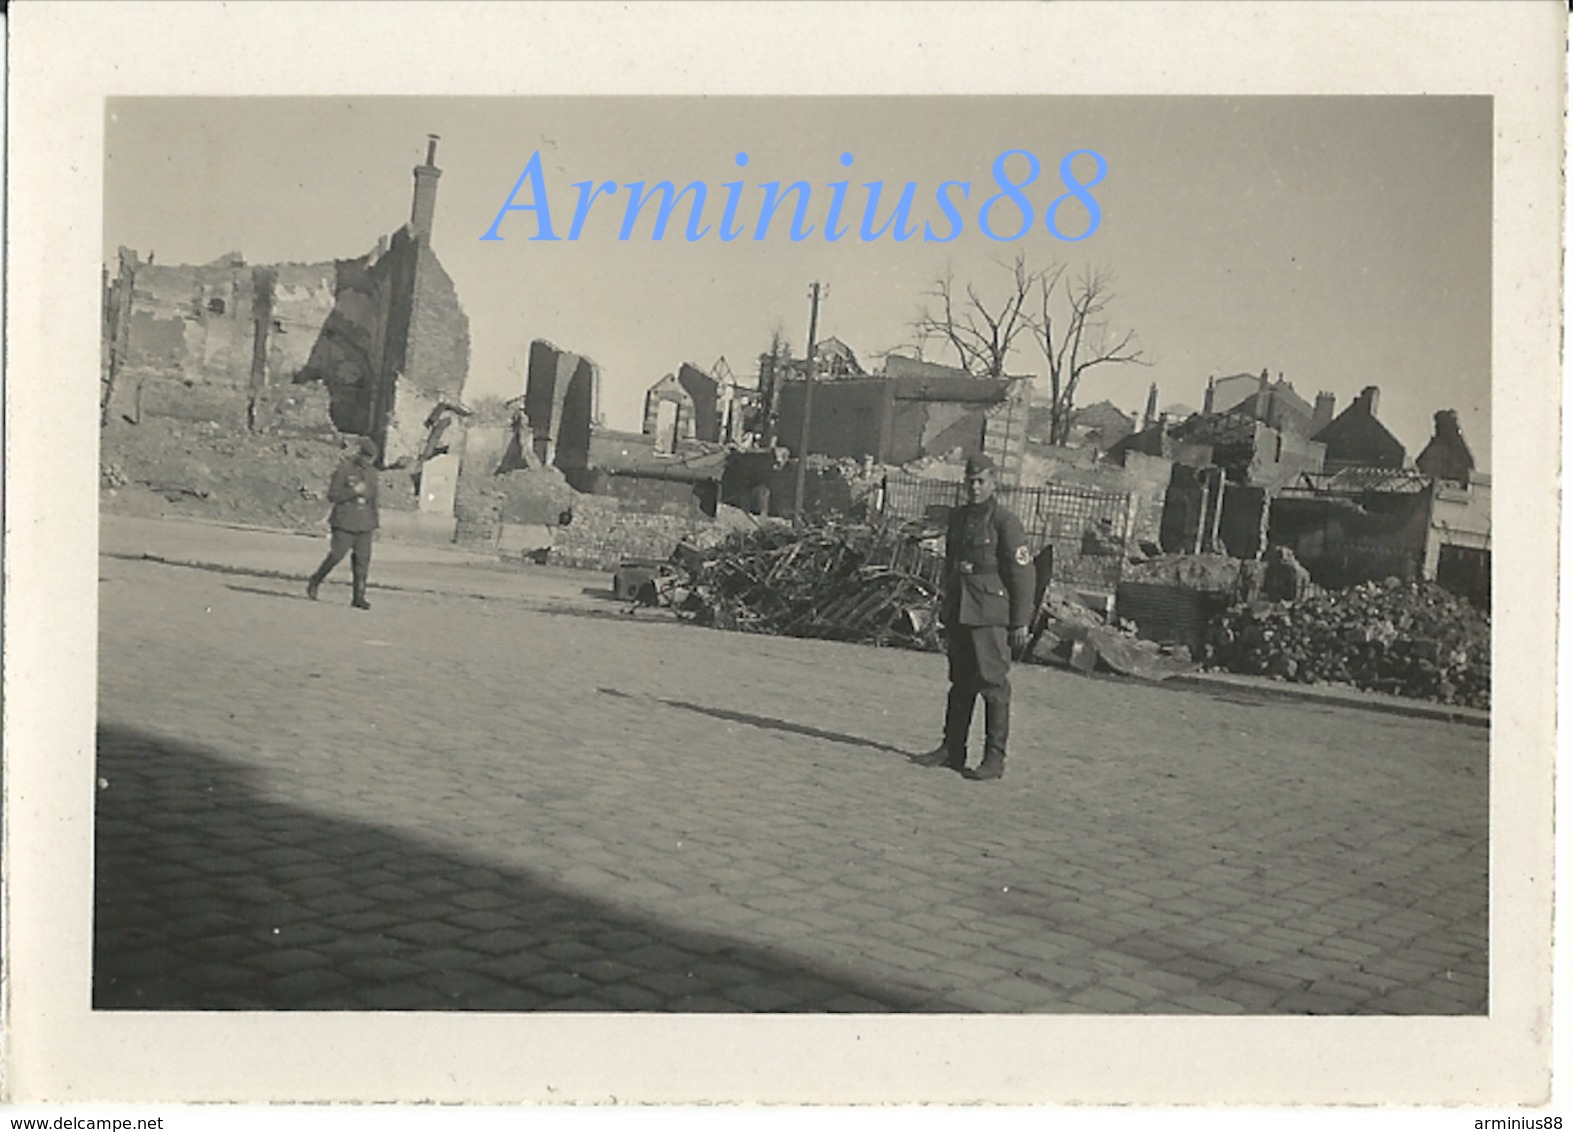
(987, 603)
(353, 493)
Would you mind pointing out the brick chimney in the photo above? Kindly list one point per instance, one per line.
(1322, 415)
(1207, 398)
(1368, 398)
(424, 207)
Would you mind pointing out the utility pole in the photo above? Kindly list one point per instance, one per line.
(808, 404)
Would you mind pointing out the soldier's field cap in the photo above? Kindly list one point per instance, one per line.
(977, 465)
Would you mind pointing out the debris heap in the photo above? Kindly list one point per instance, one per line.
(1405, 638)
(877, 584)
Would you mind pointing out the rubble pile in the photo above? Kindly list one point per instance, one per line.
(1067, 633)
(206, 470)
(1405, 638)
(1212, 573)
(876, 584)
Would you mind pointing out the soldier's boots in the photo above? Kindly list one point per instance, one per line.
(992, 767)
(941, 756)
(311, 588)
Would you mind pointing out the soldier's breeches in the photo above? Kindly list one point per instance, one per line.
(979, 666)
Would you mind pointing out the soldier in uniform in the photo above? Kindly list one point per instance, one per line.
(985, 609)
(353, 493)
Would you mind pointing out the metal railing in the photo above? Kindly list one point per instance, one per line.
(1090, 530)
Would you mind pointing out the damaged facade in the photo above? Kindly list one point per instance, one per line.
(694, 405)
(912, 410)
(370, 345)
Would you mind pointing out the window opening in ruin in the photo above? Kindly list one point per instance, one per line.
(216, 306)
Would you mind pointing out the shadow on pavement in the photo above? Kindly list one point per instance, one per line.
(287, 594)
(768, 722)
(209, 895)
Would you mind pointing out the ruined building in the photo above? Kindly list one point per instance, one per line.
(1356, 439)
(911, 410)
(373, 345)
(562, 399)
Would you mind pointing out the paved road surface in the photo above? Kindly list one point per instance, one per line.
(470, 803)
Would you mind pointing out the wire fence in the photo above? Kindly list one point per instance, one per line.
(1090, 530)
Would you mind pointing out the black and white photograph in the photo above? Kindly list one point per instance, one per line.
(912, 561)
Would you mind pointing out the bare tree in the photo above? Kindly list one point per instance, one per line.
(979, 331)
(1078, 340)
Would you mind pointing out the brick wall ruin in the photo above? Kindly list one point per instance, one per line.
(374, 342)
(370, 343)
(561, 395)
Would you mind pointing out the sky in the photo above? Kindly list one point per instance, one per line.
(1339, 241)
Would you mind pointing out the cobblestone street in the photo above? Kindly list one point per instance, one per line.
(472, 802)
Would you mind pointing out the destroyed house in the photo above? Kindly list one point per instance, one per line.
(833, 360)
(1356, 439)
(694, 405)
(1248, 451)
(1278, 406)
(1445, 455)
(369, 345)
(562, 399)
(1101, 425)
(894, 420)
(1357, 524)
(628, 466)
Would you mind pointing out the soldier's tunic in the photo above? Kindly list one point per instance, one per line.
(353, 519)
(988, 590)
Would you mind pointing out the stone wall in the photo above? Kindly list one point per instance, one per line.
(606, 530)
